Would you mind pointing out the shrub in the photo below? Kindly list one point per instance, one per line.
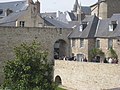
(30, 70)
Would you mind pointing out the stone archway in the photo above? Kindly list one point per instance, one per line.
(58, 80)
(60, 49)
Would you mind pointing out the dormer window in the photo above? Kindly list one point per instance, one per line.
(112, 26)
(83, 26)
(1, 11)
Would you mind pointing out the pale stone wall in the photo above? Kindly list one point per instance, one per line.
(31, 18)
(80, 50)
(88, 76)
(103, 44)
(87, 46)
(104, 47)
(102, 10)
(13, 36)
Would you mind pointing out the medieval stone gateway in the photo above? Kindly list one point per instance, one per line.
(13, 36)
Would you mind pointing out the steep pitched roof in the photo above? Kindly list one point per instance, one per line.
(103, 27)
(11, 19)
(89, 31)
(49, 14)
(56, 23)
(14, 6)
(76, 6)
(72, 16)
(86, 10)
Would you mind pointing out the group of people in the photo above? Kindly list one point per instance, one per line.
(112, 60)
(73, 58)
(106, 60)
(96, 59)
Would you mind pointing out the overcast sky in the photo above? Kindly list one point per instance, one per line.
(61, 5)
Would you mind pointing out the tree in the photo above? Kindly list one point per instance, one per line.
(30, 70)
(96, 52)
(112, 53)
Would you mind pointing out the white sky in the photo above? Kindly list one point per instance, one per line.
(58, 5)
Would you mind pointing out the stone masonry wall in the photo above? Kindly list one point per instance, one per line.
(104, 46)
(80, 50)
(88, 76)
(11, 37)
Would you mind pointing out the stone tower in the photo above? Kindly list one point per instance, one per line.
(105, 8)
(29, 2)
(37, 5)
(77, 10)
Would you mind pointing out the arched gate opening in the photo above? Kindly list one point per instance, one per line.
(58, 80)
(60, 49)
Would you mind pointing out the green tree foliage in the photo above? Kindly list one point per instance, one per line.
(112, 53)
(30, 70)
(96, 52)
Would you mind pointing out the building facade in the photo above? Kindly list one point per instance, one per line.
(105, 8)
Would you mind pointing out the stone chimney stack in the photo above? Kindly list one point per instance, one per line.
(30, 2)
(37, 5)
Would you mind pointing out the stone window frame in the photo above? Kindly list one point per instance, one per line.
(110, 43)
(97, 43)
(22, 23)
(81, 43)
(60, 31)
(73, 42)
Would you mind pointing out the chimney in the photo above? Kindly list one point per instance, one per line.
(7, 12)
(30, 2)
(37, 5)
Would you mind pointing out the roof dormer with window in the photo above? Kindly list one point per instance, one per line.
(83, 26)
(113, 25)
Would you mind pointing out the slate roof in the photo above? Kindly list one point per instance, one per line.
(56, 23)
(103, 28)
(86, 10)
(10, 20)
(14, 6)
(89, 31)
(72, 16)
(49, 14)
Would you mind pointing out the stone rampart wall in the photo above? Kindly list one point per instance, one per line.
(88, 76)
